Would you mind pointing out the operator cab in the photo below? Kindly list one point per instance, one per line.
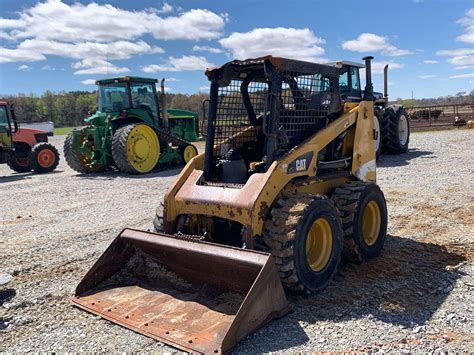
(350, 85)
(119, 94)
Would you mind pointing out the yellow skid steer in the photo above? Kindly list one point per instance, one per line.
(286, 186)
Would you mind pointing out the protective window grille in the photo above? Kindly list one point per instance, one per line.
(232, 115)
(306, 101)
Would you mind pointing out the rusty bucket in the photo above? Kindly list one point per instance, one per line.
(196, 296)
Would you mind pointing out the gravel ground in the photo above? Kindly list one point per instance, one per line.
(418, 296)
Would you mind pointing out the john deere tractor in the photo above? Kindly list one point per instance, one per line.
(129, 131)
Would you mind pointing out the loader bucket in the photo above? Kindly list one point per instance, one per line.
(196, 296)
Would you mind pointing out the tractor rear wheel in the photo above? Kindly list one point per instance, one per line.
(19, 161)
(378, 131)
(135, 148)
(189, 152)
(364, 219)
(78, 161)
(44, 158)
(395, 130)
(304, 234)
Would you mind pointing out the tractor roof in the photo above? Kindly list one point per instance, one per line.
(299, 67)
(124, 79)
(341, 63)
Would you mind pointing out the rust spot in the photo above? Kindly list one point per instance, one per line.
(263, 210)
(231, 213)
(239, 210)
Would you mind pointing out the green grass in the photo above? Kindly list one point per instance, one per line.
(62, 131)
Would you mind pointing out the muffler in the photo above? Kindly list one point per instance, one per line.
(196, 296)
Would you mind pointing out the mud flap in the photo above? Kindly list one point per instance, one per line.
(196, 296)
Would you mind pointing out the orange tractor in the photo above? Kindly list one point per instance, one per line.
(24, 149)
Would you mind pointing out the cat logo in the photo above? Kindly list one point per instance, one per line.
(301, 163)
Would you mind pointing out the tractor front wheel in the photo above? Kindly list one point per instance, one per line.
(44, 158)
(189, 152)
(304, 235)
(19, 161)
(76, 160)
(135, 148)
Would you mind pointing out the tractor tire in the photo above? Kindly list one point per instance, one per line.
(135, 148)
(77, 161)
(395, 130)
(188, 152)
(20, 162)
(363, 212)
(378, 125)
(44, 158)
(303, 222)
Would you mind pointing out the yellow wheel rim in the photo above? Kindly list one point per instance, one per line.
(371, 223)
(189, 153)
(143, 148)
(319, 244)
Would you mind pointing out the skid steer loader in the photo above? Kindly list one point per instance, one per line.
(285, 186)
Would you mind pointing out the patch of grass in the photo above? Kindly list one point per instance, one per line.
(62, 131)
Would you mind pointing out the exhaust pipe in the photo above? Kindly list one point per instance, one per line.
(385, 83)
(369, 88)
(163, 105)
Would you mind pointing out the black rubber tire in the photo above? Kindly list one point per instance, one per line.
(379, 114)
(36, 151)
(73, 158)
(286, 233)
(351, 199)
(390, 134)
(119, 149)
(12, 161)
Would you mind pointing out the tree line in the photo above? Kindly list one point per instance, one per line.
(67, 109)
(70, 108)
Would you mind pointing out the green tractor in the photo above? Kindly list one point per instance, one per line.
(130, 131)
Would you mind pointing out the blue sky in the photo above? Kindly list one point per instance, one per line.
(65, 45)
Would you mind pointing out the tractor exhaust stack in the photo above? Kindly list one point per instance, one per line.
(164, 109)
(196, 296)
(385, 83)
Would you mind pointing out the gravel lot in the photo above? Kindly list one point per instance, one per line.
(417, 296)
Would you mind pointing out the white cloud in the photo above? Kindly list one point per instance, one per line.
(462, 76)
(24, 67)
(456, 52)
(459, 57)
(8, 55)
(377, 67)
(103, 32)
(204, 88)
(88, 82)
(80, 50)
(184, 63)
(428, 76)
(171, 79)
(429, 61)
(285, 42)
(370, 42)
(48, 68)
(462, 67)
(97, 66)
(468, 24)
(207, 49)
(165, 9)
(55, 20)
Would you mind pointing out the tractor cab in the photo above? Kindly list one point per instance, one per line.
(128, 94)
(350, 85)
(8, 126)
